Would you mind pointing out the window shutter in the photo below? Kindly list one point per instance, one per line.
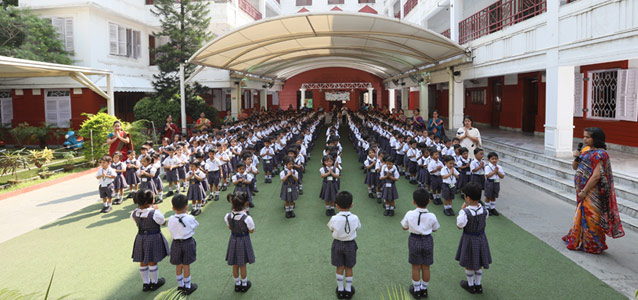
(137, 43)
(64, 113)
(113, 38)
(129, 43)
(578, 94)
(7, 111)
(51, 111)
(626, 95)
(68, 34)
(121, 40)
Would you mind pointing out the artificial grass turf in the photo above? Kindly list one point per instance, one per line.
(91, 252)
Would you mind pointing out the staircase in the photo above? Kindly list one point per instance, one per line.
(556, 176)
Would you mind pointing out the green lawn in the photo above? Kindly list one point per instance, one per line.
(91, 252)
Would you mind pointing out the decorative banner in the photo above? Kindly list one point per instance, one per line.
(337, 96)
(309, 103)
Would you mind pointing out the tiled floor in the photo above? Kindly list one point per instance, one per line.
(622, 162)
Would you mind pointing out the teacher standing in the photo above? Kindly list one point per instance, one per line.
(470, 136)
(119, 140)
(435, 125)
(170, 128)
(596, 209)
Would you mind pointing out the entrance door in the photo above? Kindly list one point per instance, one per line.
(530, 104)
(497, 98)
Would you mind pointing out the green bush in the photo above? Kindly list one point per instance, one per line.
(157, 109)
(101, 124)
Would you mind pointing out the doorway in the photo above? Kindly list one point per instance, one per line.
(497, 101)
(530, 104)
(308, 97)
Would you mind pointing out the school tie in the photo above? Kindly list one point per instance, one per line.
(419, 222)
(347, 226)
(181, 221)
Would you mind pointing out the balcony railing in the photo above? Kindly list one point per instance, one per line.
(497, 16)
(398, 15)
(249, 9)
(446, 33)
(409, 5)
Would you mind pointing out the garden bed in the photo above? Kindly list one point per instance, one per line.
(28, 176)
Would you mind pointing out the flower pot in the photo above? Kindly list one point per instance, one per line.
(67, 168)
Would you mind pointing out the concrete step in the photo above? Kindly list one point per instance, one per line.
(624, 181)
(629, 222)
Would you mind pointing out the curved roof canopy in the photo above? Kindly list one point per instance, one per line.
(282, 47)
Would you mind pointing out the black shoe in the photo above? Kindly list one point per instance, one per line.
(196, 212)
(287, 215)
(158, 201)
(216, 198)
(340, 294)
(181, 289)
(348, 295)
(117, 201)
(424, 293)
(493, 212)
(379, 200)
(478, 289)
(238, 288)
(292, 214)
(224, 188)
(437, 201)
(107, 209)
(210, 197)
(466, 287)
(160, 282)
(416, 295)
(130, 195)
(371, 196)
(391, 214)
(300, 192)
(386, 212)
(446, 212)
(451, 212)
(170, 193)
(191, 290)
(244, 288)
(328, 214)
(146, 287)
(251, 205)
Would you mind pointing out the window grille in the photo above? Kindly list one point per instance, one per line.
(602, 94)
(478, 97)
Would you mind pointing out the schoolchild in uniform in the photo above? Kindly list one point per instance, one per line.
(299, 165)
(106, 175)
(412, 155)
(329, 187)
(372, 177)
(477, 166)
(434, 167)
(473, 252)
(343, 253)
(377, 167)
(450, 175)
(388, 177)
(224, 159)
(119, 184)
(463, 165)
(423, 175)
(146, 173)
(289, 178)
(195, 190)
(251, 169)
(493, 174)
(184, 158)
(421, 224)
(240, 249)
(183, 247)
(267, 154)
(170, 164)
(132, 179)
(150, 246)
(242, 180)
(157, 166)
(213, 174)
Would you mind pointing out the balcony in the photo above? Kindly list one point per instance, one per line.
(498, 16)
(409, 5)
(398, 15)
(249, 9)
(446, 33)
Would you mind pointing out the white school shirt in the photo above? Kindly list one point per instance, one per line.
(461, 162)
(134, 162)
(182, 230)
(109, 172)
(148, 169)
(433, 164)
(475, 164)
(252, 169)
(447, 151)
(426, 226)
(341, 230)
(246, 176)
(399, 148)
(171, 161)
(489, 168)
(212, 165)
(413, 151)
(394, 171)
(199, 174)
(285, 171)
(158, 217)
(424, 161)
(238, 215)
(324, 170)
(405, 148)
(370, 161)
(266, 153)
(451, 179)
(183, 159)
(302, 150)
(379, 165)
(461, 219)
(300, 160)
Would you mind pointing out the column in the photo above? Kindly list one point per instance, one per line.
(392, 99)
(235, 98)
(456, 16)
(456, 102)
(405, 99)
(559, 111)
(401, 6)
(263, 102)
(423, 100)
(370, 98)
(303, 97)
(262, 8)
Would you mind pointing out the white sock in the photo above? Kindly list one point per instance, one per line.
(477, 277)
(470, 277)
(348, 284)
(340, 282)
(244, 281)
(301, 186)
(416, 285)
(159, 195)
(144, 274)
(424, 285)
(187, 282)
(153, 271)
(237, 281)
(493, 204)
(391, 207)
(180, 280)
(387, 206)
(327, 206)
(378, 194)
(217, 193)
(106, 204)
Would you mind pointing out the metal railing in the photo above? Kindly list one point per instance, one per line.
(249, 9)
(409, 5)
(497, 16)
(446, 33)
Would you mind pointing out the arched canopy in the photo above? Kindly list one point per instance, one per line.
(282, 47)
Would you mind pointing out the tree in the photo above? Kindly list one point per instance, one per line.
(24, 35)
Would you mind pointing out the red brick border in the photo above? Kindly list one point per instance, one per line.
(46, 183)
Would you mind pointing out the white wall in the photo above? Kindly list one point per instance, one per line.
(289, 7)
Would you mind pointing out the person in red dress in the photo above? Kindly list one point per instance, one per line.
(170, 129)
(119, 140)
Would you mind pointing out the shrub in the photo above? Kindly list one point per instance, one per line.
(101, 124)
(157, 109)
(21, 132)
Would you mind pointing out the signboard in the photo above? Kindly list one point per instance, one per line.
(337, 96)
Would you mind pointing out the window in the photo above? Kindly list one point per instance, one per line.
(304, 2)
(64, 28)
(124, 41)
(57, 108)
(335, 1)
(153, 43)
(477, 97)
(366, 1)
(6, 108)
(612, 95)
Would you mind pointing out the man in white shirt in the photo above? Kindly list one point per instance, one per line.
(343, 255)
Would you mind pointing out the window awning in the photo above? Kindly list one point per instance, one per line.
(282, 47)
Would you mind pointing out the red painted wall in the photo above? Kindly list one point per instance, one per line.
(479, 112)
(617, 132)
(441, 103)
(414, 100)
(512, 106)
(288, 96)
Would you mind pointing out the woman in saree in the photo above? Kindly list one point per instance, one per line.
(596, 209)
(435, 124)
(417, 120)
(119, 140)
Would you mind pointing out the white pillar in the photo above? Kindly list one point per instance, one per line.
(405, 98)
(182, 93)
(456, 101)
(559, 111)
(262, 8)
(392, 99)
(456, 16)
(263, 94)
(401, 6)
(235, 97)
(303, 97)
(370, 93)
(423, 100)
(110, 103)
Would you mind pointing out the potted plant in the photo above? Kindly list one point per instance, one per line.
(40, 158)
(46, 131)
(68, 159)
(45, 173)
(11, 161)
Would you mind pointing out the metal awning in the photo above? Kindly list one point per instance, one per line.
(279, 48)
(11, 67)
